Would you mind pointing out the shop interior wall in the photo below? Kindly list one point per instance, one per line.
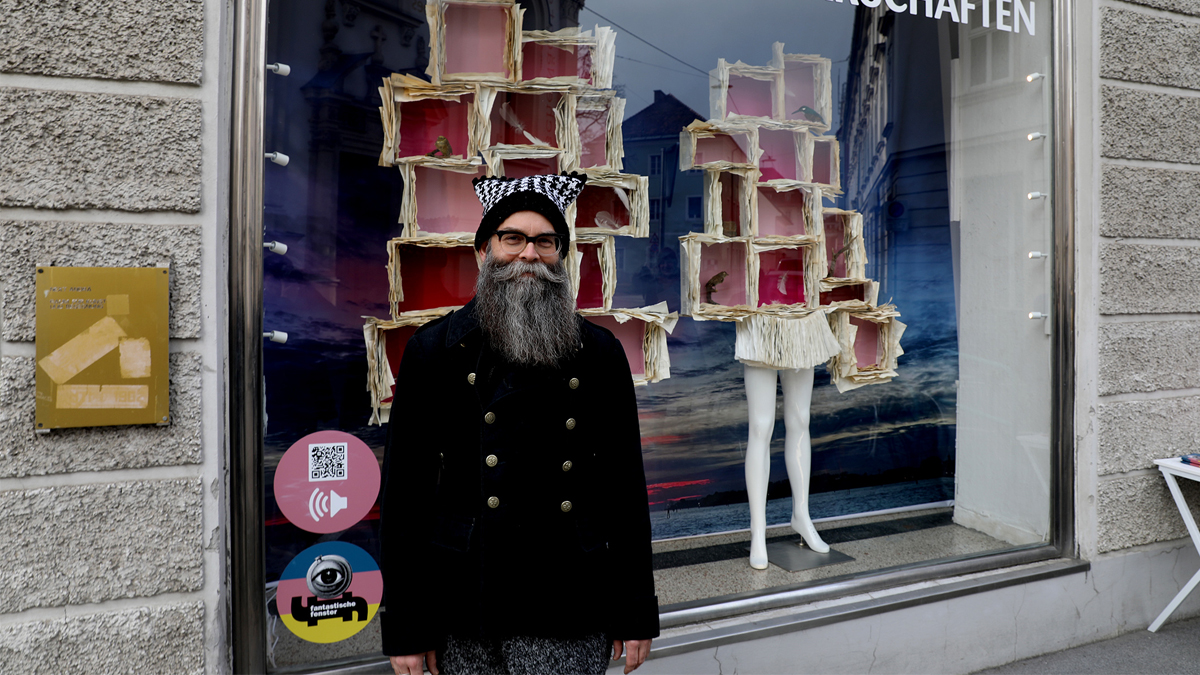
(112, 120)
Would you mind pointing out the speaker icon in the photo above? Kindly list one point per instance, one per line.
(321, 504)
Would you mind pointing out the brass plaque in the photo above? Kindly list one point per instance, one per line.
(102, 346)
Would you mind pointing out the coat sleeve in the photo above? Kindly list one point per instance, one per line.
(410, 474)
(634, 616)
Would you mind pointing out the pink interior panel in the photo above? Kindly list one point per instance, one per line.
(866, 343)
(781, 277)
(533, 112)
(631, 333)
(731, 204)
(723, 148)
(780, 213)
(822, 165)
(729, 257)
(599, 206)
(835, 241)
(530, 166)
(799, 84)
(446, 201)
(436, 277)
(593, 137)
(421, 122)
(542, 60)
(748, 96)
(843, 293)
(591, 277)
(394, 342)
(476, 36)
(778, 159)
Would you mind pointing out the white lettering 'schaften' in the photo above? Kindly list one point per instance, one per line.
(1009, 15)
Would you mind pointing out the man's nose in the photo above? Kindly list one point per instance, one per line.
(529, 253)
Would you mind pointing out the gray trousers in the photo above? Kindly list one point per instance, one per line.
(524, 655)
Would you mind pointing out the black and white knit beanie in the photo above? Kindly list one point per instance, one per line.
(547, 195)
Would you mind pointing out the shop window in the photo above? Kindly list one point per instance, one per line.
(803, 184)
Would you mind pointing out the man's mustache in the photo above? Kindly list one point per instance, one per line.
(516, 269)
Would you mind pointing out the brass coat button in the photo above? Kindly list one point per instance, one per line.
(471, 378)
(490, 417)
(570, 423)
(565, 506)
(492, 460)
(493, 502)
(567, 465)
(574, 383)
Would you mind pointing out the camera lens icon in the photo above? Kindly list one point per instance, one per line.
(329, 576)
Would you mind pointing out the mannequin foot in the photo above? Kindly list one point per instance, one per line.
(805, 528)
(758, 552)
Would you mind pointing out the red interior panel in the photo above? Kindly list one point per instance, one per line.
(781, 277)
(748, 96)
(476, 37)
(533, 113)
(866, 343)
(778, 159)
(446, 200)
(436, 277)
(631, 333)
(421, 122)
(600, 206)
(781, 213)
(591, 277)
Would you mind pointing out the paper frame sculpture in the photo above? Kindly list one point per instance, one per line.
(635, 199)
(613, 108)
(656, 323)
(851, 246)
(844, 368)
(395, 247)
(604, 257)
(467, 107)
(601, 46)
(439, 69)
(784, 170)
(381, 372)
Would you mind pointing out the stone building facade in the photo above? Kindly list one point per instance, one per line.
(114, 126)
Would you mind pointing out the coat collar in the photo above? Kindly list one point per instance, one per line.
(462, 324)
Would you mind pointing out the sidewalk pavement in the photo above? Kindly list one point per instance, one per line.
(1175, 648)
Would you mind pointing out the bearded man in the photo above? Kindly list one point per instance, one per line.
(515, 528)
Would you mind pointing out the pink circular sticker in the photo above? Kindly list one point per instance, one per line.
(327, 481)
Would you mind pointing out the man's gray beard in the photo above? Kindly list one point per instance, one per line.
(528, 320)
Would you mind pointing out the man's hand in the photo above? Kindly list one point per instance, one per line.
(636, 653)
(414, 664)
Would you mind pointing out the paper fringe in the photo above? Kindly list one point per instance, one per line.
(777, 342)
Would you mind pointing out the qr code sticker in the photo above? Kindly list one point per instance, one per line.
(328, 461)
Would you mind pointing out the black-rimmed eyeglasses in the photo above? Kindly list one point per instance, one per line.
(513, 242)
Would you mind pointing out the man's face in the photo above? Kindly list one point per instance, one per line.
(531, 224)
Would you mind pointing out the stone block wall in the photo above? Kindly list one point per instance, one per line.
(111, 124)
(1148, 385)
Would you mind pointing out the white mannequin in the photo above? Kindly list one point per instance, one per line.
(797, 453)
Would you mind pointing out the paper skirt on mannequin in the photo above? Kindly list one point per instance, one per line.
(768, 341)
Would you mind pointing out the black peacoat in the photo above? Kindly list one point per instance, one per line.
(514, 499)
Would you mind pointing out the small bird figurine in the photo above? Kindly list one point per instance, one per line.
(711, 286)
(810, 114)
(443, 147)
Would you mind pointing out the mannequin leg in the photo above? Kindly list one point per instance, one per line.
(797, 451)
(760, 398)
